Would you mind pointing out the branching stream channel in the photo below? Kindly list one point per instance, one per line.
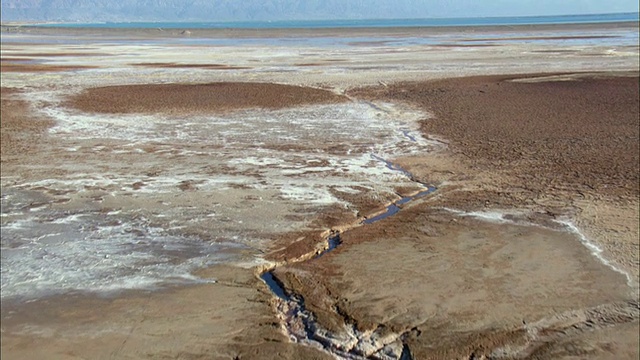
(300, 324)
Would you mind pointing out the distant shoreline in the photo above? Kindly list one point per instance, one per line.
(347, 23)
(159, 32)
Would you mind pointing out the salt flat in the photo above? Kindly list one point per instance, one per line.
(130, 186)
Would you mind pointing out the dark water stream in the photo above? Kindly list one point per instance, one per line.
(395, 207)
(274, 285)
(296, 308)
(394, 167)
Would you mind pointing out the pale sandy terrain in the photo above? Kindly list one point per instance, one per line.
(183, 154)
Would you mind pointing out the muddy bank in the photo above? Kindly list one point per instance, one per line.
(185, 98)
(21, 133)
(453, 286)
(229, 319)
(39, 68)
(228, 316)
(497, 283)
(564, 144)
(154, 191)
(577, 136)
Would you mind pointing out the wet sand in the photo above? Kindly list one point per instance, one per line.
(431, 279)
(172, 322)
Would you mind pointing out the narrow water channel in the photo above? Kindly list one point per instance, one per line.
(295, 311)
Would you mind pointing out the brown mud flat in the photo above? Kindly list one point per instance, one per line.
(310, 64)
(458, 287)
(451, 286)
(580, 135)
(19, 59)
(455, 287)
(25, 67)
(225, 320)
(20, 133)
(561, 144)
(64, 54)
(193, 98)
(191, 66)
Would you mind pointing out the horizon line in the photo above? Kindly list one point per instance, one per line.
(44, 22)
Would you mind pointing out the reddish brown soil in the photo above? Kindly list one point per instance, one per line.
(10, 59)
(64, 54)
(554, 139)
(26, 67)
(191, 66)
(580, 135)
(187, 98)
(19, 132)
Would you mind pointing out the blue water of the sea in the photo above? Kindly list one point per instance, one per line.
(311, 24)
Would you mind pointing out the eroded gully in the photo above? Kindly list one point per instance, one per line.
(300, 325)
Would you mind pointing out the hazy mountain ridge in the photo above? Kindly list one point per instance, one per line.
(199, 10)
